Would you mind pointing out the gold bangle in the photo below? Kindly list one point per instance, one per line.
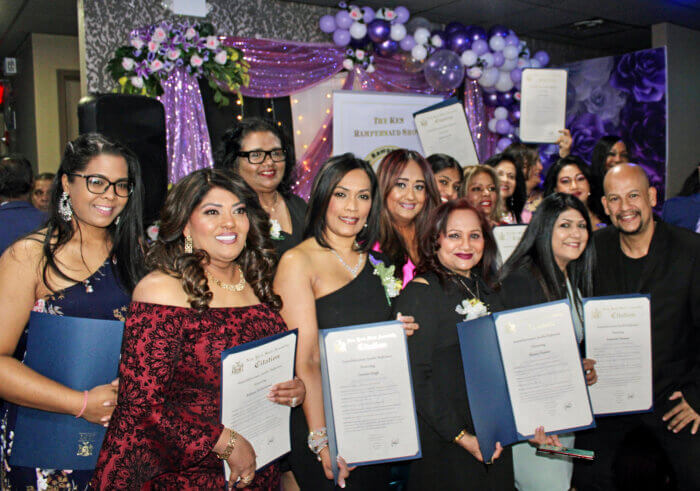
(229, 446)
(460, 436)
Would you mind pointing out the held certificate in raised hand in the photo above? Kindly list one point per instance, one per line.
(443, 128)
(507, 238)
(542, 104)
(247, 373)
(618, 338)
(367, 394)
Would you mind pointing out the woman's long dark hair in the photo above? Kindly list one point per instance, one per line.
(390, 168)
(258, 259)
(515, 202)
(593, 202)
(691, 185)
(437, 225)
(535, 250)
(441, 161)
(327, 178)
(598, 158)
(126, 235)
(227, 154)
(524, 156)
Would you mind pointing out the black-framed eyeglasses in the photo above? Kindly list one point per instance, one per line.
(259, 156)
(98, 184)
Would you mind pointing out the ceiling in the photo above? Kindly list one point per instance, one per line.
(627, 27)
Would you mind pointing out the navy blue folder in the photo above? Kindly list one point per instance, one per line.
(79, 353)
(487, 389)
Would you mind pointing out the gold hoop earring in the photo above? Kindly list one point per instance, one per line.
(188, 244)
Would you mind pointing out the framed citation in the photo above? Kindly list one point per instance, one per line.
(542, 104)
(247, 373)
(78, 353)
(368, 395)
(507, 238)
(443, 128)
(617, 334)
(522, 370)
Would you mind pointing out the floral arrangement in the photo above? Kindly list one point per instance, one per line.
(155, 51)
(392, 285)
(472, 308)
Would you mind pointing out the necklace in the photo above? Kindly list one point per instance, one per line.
(274, 203)
(353, 271)
(469, 289)
(227, 286)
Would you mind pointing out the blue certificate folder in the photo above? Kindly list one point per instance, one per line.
(81, 354)
(328, 405)
(487, 389)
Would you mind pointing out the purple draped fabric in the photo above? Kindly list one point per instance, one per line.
(478, 115)
(389, 76)
(187, 135)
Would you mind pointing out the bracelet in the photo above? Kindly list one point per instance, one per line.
(229, 446)
(82, 409)
(317, 440)
(460, 436)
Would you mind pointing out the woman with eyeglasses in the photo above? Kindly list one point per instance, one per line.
(85, 263)
(259, 152)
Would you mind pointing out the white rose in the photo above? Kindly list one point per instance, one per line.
(221, 57)
(212, 42)
(173, 54)
(196, 60)
(156, 65)
(136, 82)
(127, 64)
(159, 35)
(137, 43)
(190, 33)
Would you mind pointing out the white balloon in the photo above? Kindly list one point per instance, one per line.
(535, 63)
(358, 30)
(508, 65)
(497, 43)
(504, 83)
(436, 41)
(419, 52)
(487, 58)
(398, 32)
(510, 52)
(468, 58)
(474, 72)
(421, 36)
(501, 112)
(492, 125)
(489, 78)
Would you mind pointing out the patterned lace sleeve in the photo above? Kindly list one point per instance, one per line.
(151, 432)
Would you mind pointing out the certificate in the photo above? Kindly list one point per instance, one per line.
(618, 337)
(542, 104)
(443, 128)
(522, 370)
(247, 373)
(507, 238)
(368, 394)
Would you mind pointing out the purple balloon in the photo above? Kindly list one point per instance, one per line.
(514, 116)
(402, 15)
(505, 98)
(512, 40)
(378, 30)
(503, 143)
(542, 57)
(407, 43)
(444, 70)
(491, 99)
(476, 32)
(367, 14)
(327, 23)
(498, 30)
(458, 42)
(454, 27)
(387, 48)
(360, 43)
(480, 47)
(498, 59)
(341, 37)
(502, 127)
(516, 75)
(343, 19)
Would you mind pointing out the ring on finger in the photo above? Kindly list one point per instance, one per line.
(293, 402)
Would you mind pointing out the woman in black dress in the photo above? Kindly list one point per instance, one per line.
(328, 281)
(457, 253)
(261, 154)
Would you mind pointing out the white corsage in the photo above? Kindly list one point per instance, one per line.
(392, 285)
(472, 308)
(275, 230)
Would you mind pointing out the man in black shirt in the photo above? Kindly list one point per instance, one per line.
(639, 254)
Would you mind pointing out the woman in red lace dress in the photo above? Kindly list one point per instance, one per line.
(210, 289)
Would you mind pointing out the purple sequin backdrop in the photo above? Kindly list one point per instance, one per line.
(280, 68)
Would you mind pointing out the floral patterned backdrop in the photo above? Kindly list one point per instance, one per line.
(620, 95)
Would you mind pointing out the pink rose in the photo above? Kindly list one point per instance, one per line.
(173, 54)
(156, 65)
(136, 82)
(221, 57)
(190, 33)
(137, 43)
(153, 46)
(159, 35)
(212, 42)
(127, 64)
(356, 14)
(196, 60)
(360, 54)
(389, 14)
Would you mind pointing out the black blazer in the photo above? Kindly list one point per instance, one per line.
(671, 275)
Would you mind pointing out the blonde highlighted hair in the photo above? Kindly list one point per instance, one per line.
(470, 172)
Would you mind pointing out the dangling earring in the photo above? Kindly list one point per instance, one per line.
(188, 244)
(116, 222)
(64, 207)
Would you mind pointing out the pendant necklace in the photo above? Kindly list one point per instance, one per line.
(228, 286)
(469, 289)
(353, 271)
